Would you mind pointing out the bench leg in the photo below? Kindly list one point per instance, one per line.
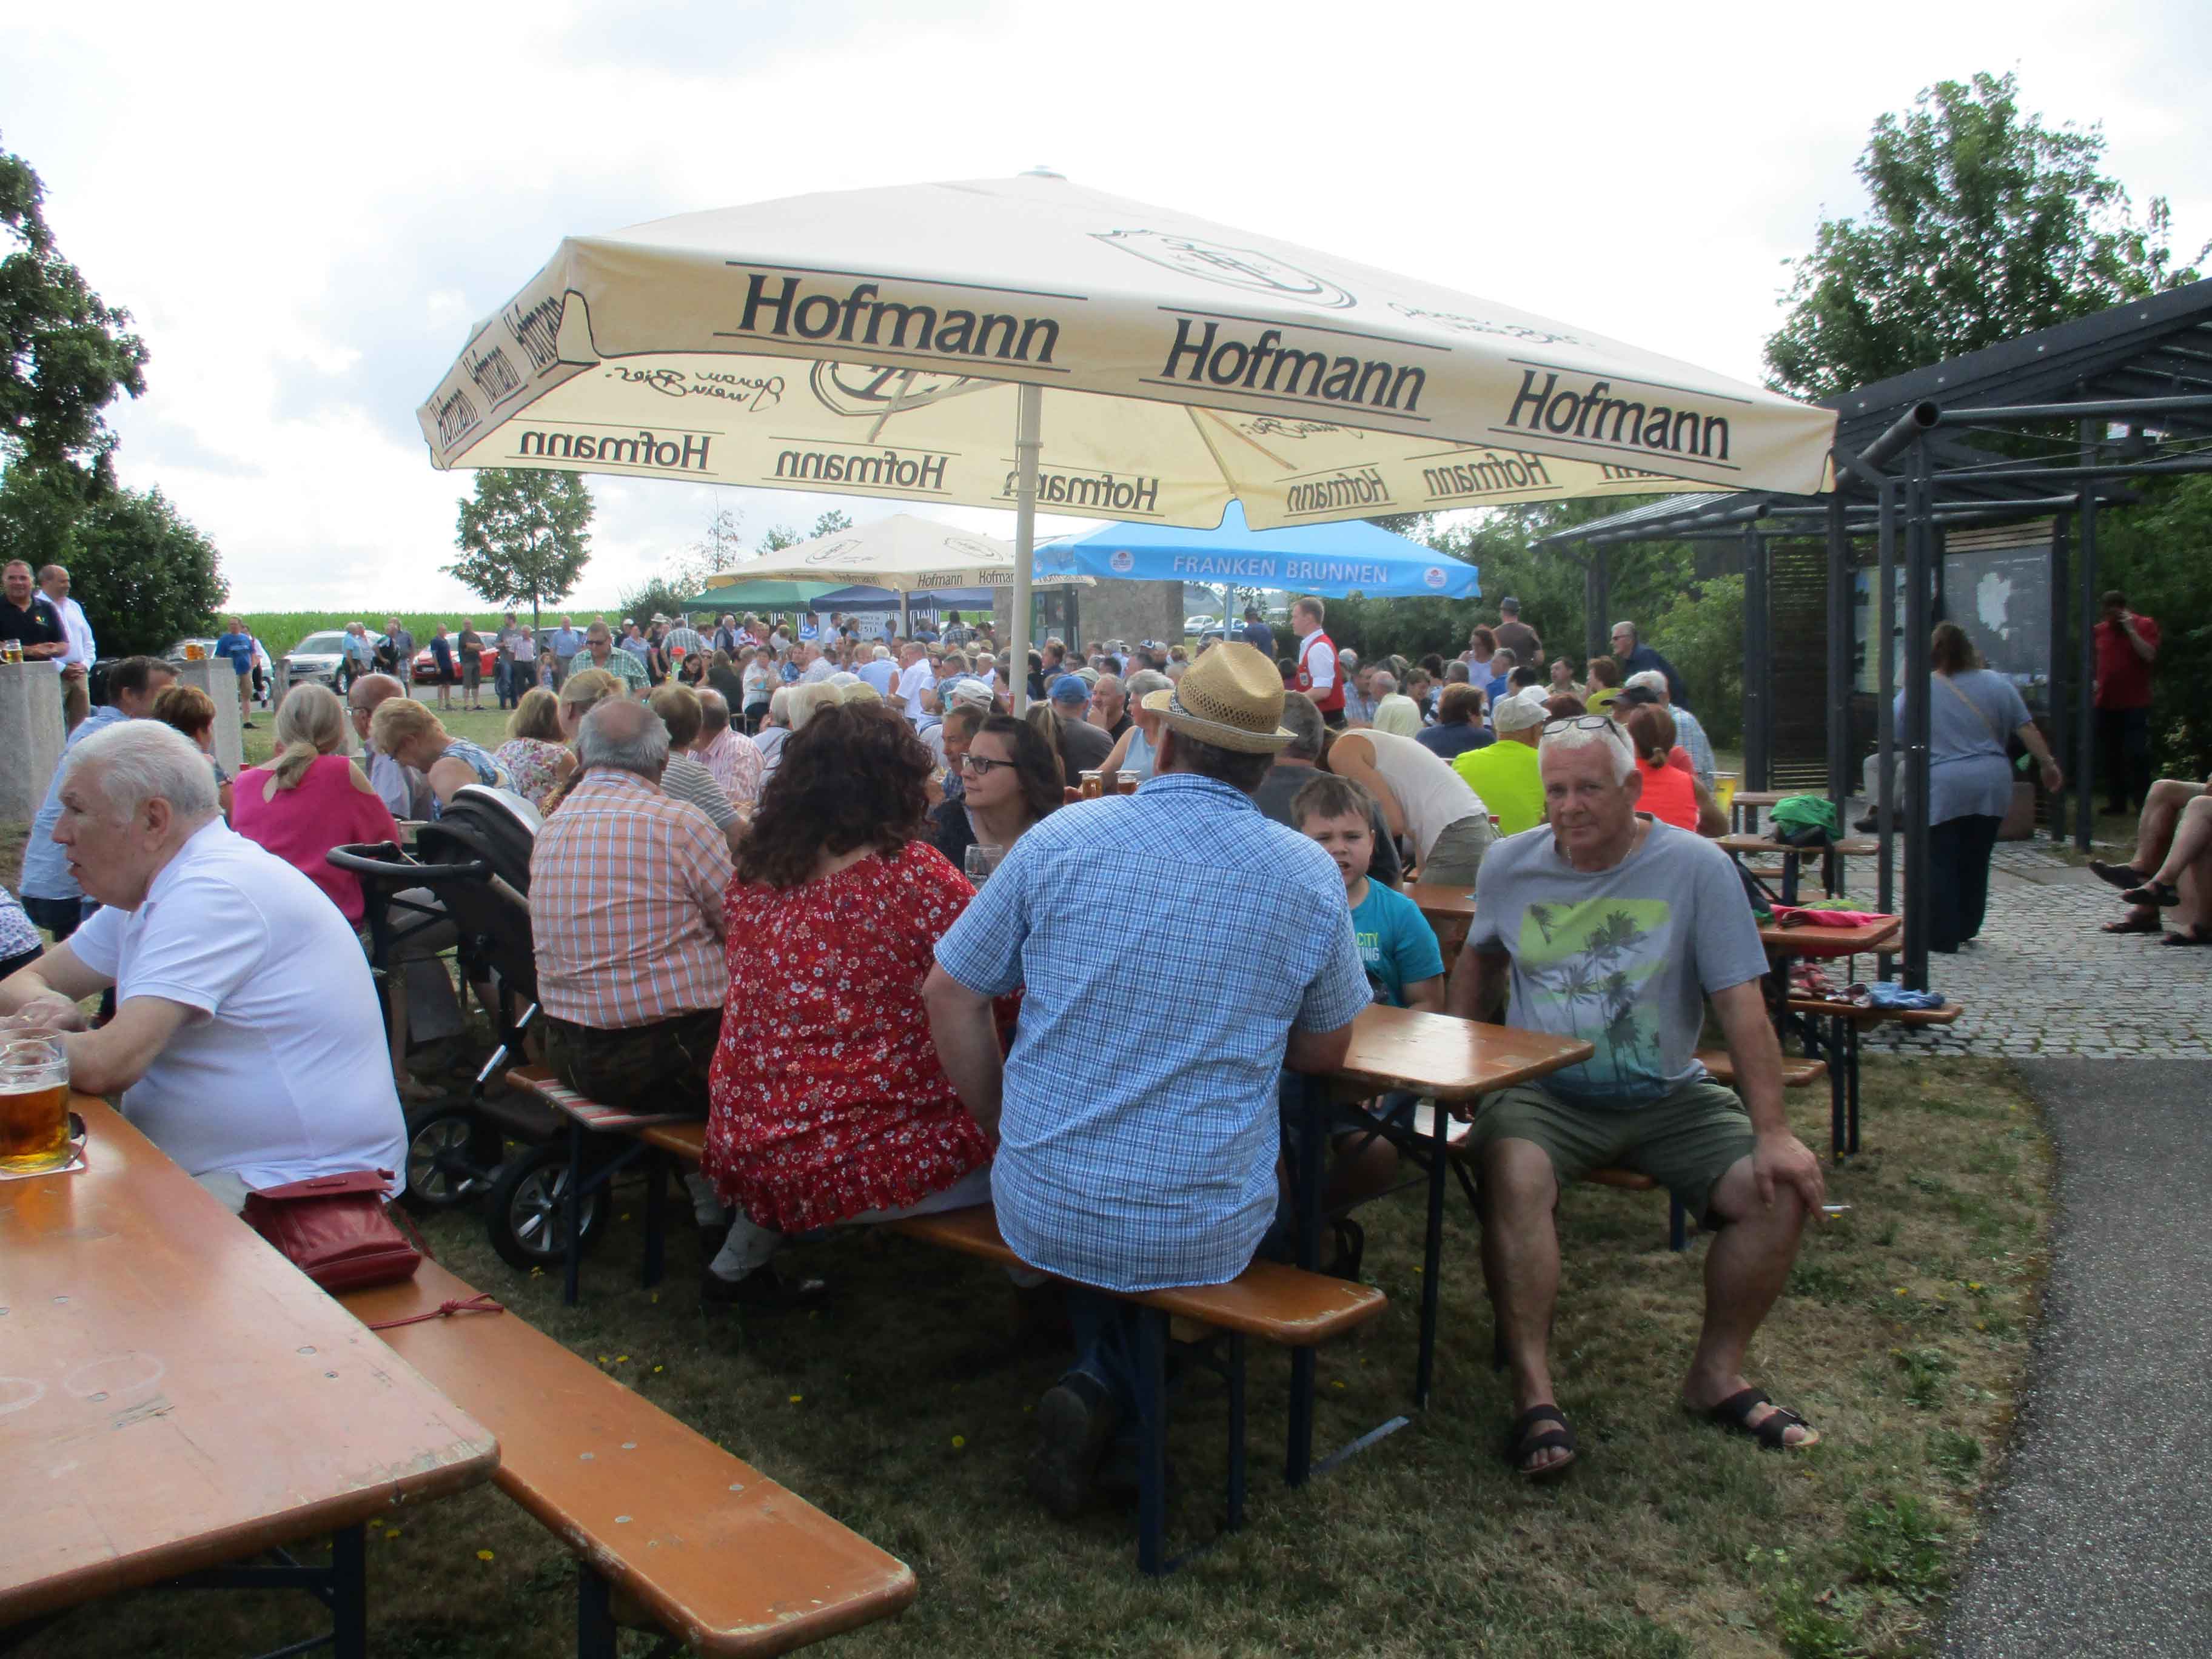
(1789, 878)
(350, 1592)
(1678, 1224)
(1235, 1430)
(1837, 1084)
(1151, 1441)
(595, 1617)
(1432, 1259)
(656, 1227)
(571, 1212)
(1306, 1178)
(1851, 1066)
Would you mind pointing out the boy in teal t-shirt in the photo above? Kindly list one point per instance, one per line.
(1396, 944)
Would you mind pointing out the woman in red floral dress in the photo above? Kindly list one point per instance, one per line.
(826, 1102)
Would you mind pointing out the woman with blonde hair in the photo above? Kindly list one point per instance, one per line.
(412, 735)
(311, 798)
(535, 753)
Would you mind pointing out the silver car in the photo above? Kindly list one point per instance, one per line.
(318, 658)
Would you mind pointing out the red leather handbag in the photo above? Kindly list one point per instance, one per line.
(335, 1228)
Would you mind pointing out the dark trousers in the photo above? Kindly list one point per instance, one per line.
(1959, 878)
(662, 1068)
(2123, 747)
(1106, 1345)
(59, 917)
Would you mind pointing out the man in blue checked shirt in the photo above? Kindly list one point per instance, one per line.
(1138, 1134)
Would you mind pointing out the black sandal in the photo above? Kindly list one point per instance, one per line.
(2193, 936)
(1521, 1443)
(2149, 924)
(1735, 1413)
(2119, 875)
(2162, 894)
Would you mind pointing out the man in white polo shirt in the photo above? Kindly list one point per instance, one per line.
(246, 1042)
(915, 678)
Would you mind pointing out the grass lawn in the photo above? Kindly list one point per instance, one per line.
(900, 1410)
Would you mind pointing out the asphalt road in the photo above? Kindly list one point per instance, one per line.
(2097, 1536)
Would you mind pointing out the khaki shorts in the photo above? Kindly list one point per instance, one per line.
(1686, 1141)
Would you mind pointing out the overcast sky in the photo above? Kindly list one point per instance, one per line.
(305, 207)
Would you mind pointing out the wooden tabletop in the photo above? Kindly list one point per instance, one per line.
(1861, 846)
(1811, 939)
(1450, 1059)
(180, 1395)
(1441, 900)
(1762, 797)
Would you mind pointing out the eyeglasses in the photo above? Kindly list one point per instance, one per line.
(979, 764)
(1580, 723)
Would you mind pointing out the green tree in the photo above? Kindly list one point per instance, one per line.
(1984, 224)
(145, 577)
(64, 354)
(830, 524)
(525, 535)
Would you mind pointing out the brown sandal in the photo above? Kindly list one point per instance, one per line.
(2133, 925)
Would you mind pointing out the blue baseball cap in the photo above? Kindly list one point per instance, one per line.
(1068, 689)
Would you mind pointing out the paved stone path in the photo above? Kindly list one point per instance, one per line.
(2042, 981)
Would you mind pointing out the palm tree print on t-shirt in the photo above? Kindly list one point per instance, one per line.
(1584, 966)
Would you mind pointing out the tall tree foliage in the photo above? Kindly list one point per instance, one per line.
(145, 577)
(525, 535)
(1983, 224)
(64, 354)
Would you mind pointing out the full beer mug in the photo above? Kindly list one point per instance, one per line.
(34, 1102)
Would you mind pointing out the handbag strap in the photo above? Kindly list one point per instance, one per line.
(1982, 713)
(480, 1303)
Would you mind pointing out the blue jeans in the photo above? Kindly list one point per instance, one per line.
(503, 683)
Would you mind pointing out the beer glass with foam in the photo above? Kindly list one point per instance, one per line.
(34, 1102)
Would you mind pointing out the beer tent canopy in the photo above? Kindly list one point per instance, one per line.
(1330, 560)
(900, 552)
(1012, 342)
(736, 595)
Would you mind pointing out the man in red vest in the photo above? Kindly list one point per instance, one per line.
(1317, 675)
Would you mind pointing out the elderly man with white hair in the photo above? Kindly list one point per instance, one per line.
(1654, 916)
(775, 726)
(1394, 711)
(1688, 731)
(880, 671)
(246, 1042)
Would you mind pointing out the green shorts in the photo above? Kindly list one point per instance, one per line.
(1684, 1142)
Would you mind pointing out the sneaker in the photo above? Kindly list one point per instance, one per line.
(760, 1291)
(1075, 1419)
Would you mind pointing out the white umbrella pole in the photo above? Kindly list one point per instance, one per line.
(1028, 421)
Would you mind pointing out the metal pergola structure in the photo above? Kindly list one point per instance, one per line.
(2066, 414)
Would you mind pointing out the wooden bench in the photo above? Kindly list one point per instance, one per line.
(688, 1536)
(1846, 1021)
(1796, 1074)
(1282, 1305)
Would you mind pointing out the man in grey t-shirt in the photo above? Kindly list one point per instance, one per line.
(1608, 926)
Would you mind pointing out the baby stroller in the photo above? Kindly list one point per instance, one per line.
(474, 860)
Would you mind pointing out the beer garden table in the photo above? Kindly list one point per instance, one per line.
(1452, 1061)
(182, 1397)
(1792, 857)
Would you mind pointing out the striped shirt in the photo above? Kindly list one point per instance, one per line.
(626, 904)
(735, 761)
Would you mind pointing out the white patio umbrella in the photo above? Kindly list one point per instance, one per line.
(1008, 343)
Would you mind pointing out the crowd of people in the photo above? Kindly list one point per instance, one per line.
(835, 896)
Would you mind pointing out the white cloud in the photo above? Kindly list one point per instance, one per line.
(305, 207)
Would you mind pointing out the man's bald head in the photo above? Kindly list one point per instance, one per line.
(623, 735)
(713, 712)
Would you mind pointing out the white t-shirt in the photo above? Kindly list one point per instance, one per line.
(912, 680)
(1432, 795)
(282, 1073)
(880, 672)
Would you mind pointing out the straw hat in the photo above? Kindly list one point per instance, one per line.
(1232, 698)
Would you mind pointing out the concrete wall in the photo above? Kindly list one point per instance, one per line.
(1128, 611)
(219, 680)
(31, 733)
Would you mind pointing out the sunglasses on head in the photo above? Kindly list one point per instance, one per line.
(1579, 723)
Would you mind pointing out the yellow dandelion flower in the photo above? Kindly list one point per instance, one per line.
(958, 1441)
(484, 1555)
(796, 1398)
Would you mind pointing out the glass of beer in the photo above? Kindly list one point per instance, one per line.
(196, 654)
(1724, 794)
(11, 650)
(1094, 786)
(34, 1102)
(1125, 783)
(982, 859)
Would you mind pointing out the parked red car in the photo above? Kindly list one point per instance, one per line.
(426, 665)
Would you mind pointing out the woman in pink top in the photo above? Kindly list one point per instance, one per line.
(311, 798)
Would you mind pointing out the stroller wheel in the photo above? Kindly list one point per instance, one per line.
(451, 1155)
(527, 1221)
